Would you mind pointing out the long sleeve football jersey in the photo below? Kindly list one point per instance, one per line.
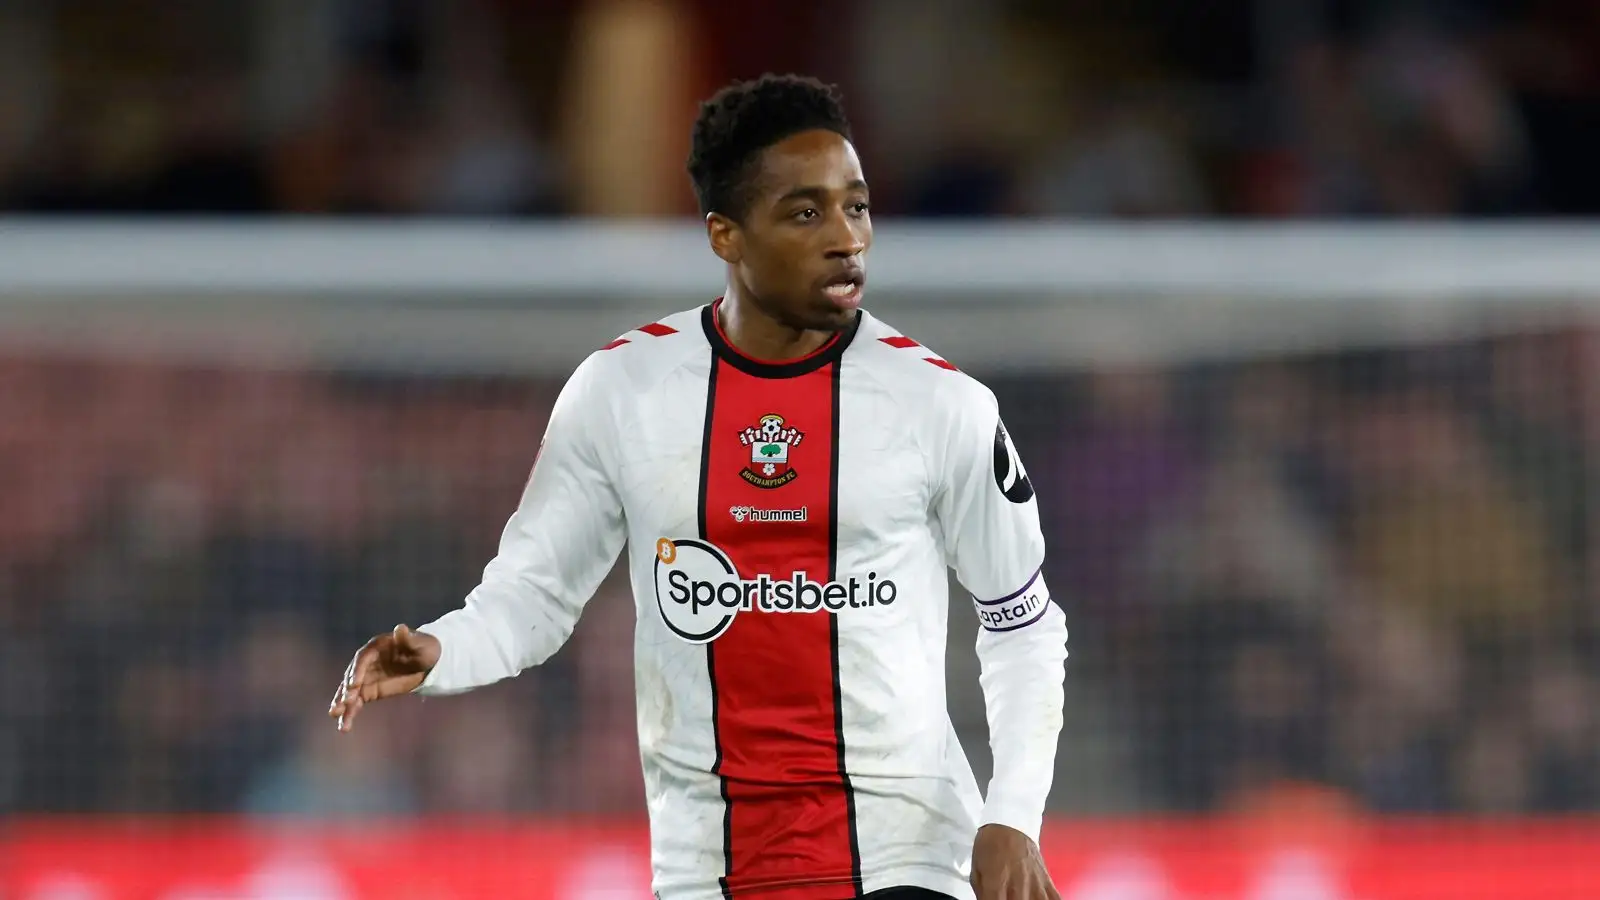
(789, 530)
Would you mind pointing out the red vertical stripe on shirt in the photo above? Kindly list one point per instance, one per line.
(789, 825)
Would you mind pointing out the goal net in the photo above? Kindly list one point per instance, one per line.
(1318, 502)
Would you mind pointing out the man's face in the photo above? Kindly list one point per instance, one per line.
(800, 253)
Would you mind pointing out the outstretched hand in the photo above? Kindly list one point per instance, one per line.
(388, 665)
(1007, 865)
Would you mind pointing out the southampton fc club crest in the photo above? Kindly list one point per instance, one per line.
(769, 444)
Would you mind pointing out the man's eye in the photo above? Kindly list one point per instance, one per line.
(859, 208)
(807, 214)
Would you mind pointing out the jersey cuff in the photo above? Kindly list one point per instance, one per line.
(1018, 609)
(1020, 814)
(430, 682)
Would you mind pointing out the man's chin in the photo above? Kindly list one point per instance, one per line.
(814, 316)
(831, 320)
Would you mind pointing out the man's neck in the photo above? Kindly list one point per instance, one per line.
(759, 336)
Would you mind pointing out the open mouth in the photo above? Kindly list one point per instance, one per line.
(845, 290)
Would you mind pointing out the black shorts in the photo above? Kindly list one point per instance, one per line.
(906, 893)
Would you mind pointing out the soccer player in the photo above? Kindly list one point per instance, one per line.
(792, 480)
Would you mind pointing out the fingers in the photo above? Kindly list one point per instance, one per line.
(336, 708)
(355, 688)
(346, 703)
(343, 707)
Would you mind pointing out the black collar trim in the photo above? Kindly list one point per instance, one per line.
(827, 355)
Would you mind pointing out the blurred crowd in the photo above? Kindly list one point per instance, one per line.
(1369, 571)
(188, 557)
(1366, 573)
(1288, 108)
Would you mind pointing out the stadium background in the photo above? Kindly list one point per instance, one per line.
(287, 288)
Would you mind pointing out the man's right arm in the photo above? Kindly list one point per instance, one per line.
(556, 549)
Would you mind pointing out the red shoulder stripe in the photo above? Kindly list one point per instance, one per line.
(901, 342)
(654, 329)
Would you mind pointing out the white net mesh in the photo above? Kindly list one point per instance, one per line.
(1311, 542)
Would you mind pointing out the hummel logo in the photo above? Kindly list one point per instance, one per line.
(757, 514)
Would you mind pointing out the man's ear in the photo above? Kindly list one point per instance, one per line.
(727, 238)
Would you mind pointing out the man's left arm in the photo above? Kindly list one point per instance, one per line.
(989, 518)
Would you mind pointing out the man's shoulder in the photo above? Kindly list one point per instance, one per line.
(644, 354)
(913, 370)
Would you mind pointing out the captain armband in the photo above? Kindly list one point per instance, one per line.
(1018, 609)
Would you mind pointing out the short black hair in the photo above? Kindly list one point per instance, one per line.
(747, 117)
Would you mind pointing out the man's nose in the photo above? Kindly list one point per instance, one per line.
(846, 239)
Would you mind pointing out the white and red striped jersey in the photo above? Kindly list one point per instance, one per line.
(789, 529)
